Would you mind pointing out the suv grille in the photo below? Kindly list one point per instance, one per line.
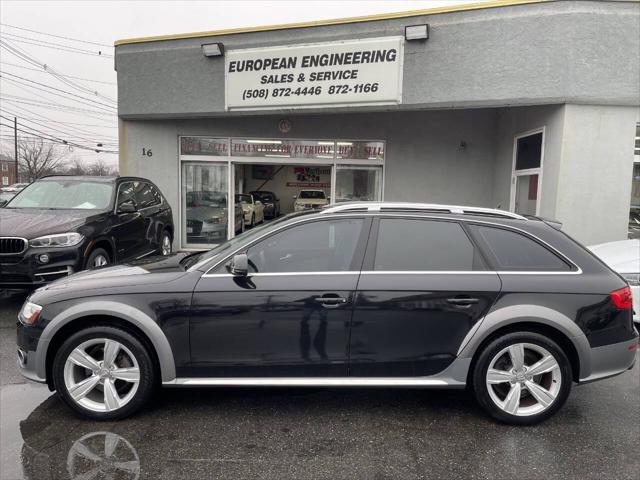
(12, 245)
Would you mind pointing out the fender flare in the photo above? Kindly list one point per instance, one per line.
(113, 309)
(514, 314)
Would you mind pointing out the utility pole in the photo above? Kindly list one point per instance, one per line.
(15, 145)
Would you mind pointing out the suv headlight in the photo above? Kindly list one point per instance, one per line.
(29, 313)
(633, 279)
(59, 240)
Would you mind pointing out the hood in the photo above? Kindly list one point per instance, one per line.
(622, 256)
(31, 222)
(124, 278)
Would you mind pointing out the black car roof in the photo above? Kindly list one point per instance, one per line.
(94, 178)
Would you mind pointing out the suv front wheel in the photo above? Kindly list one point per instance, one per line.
(103, 373)
(522, 378)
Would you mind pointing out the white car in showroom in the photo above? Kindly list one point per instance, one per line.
(308, 199)
(252, 208)
(624, 257)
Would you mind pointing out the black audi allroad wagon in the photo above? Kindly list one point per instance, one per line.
(354, 295)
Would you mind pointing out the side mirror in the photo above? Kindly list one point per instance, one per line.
(127, 207)
(239, 265)
(295, 196)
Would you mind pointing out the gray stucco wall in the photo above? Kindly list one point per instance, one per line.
(594, 181)
(424, 160)
(566, 51)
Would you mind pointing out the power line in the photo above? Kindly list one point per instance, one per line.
(52, 105)
(37, 63)
(67, 76)
(55, 46)
(18, 104)
(77, 136)
(42, 118)
(57, 140)
(57, 36)
(54, 88)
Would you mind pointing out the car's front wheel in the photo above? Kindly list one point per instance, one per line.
(165, 243)
(103, 373)
(98, 258)
(522, 378)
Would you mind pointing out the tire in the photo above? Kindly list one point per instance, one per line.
(509, 388)
(96, 403)
(166, 243)
(98, 258)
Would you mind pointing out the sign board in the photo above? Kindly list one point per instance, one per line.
(355, 72)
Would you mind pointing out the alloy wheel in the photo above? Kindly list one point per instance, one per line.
(101, 375)
(103, 455)
(523, 379)
(166, 245)
(100, 261)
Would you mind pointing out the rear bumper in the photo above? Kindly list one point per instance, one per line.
(609, 360)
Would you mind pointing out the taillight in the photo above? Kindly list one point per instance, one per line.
(621, 298)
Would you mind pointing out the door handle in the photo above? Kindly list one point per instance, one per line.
(330, 301)
(462, 301)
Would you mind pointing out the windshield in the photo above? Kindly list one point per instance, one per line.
(266, 196)
(65, 194)
(195, 261)
(206, 199)
(244, 198)
(314, 194)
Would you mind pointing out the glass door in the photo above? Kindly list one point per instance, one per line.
(204, 204)
(358, 183)
(528, 154)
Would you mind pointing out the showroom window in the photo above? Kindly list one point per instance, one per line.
(528, 152)
(634, 210)
(322, 246)
(422, 245)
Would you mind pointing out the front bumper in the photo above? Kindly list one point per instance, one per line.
(27, 271)
(27, 341)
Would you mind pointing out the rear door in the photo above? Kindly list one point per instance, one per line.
(149, 206)
(129, 227)
(423, 287)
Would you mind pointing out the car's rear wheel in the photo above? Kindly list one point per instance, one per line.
(522, 378)
(98, 258)
(103, 373)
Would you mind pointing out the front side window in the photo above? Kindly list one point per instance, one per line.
(510, 250)
(423, 245)
(244, 198)
(322, 246)
(65, 194)
(126, 193)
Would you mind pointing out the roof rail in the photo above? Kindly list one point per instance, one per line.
(432, 207)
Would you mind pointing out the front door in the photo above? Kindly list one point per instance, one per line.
(423, 287)
(290, 316)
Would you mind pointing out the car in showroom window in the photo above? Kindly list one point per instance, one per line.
(365, 294)
(306, 199)
(252, 207)
(59, 225)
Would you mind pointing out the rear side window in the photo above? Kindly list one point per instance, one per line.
(510, 250)
(145, 195)
(423, 245)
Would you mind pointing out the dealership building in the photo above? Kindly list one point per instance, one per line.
(528, 106)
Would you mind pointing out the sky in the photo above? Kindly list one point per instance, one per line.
(83, 108)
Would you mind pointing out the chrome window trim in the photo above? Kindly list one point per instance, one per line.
(355, 214)
(283, 274)
(310, 382)
(26, 244)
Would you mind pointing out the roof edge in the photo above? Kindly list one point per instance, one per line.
(335, 21)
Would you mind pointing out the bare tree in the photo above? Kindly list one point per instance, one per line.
(76, 167)
(37, 158)
(100, 168)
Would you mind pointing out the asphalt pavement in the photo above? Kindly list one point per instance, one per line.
(312, 434)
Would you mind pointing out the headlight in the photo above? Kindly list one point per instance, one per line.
(29, 313)
(59, 240)
(633, 279)
(213, 220)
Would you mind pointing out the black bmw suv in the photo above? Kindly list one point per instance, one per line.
(354, 295)
(59, 225)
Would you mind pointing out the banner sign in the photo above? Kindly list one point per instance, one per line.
(356, 72)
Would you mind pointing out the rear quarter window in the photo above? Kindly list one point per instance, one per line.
(509, 250)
